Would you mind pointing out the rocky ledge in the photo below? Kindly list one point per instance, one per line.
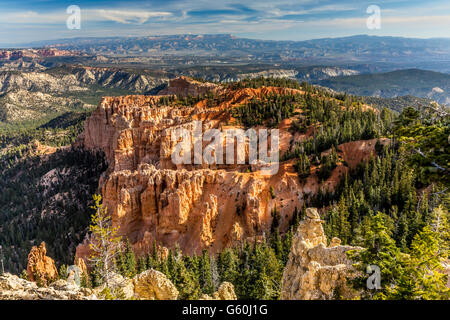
(14, 288)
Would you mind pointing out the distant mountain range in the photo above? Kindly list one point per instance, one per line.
(390, 52)
(420, 83)
(73, 74)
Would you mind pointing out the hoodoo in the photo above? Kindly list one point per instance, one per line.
(151, 198)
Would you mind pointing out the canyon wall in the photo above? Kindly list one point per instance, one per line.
(195, 206)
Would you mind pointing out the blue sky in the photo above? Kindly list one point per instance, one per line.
(25, 20)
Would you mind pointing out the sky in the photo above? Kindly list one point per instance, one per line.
(26, 21)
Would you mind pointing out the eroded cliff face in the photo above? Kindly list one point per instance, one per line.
(314, 270)
(195, 206)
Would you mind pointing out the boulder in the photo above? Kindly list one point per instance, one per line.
(154, 285)
(120, 287)
(225, 292)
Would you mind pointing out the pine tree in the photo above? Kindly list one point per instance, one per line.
(142, 264)
(150, 263)
(277, 245)
(423, 276)
(171, 266)
(303, 167)
(227, 265)
(63, 272)
(104, 242)
(187, 283)
(127, 261)
(275, 220)
(287, 246)
(85, 281)
(206, 281)
(379, 250)
(295, 219)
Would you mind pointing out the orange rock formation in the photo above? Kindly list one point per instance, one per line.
(39, 265)
(197, 206)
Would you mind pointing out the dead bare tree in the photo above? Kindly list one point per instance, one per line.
(104, 242)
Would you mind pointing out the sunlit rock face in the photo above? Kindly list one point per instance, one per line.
(315, 271)
(197, 206)
(40, 266)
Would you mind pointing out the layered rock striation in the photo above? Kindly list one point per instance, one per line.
(197, 206)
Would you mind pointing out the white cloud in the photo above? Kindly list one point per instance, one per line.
(328, 8)
(123, 16)
(97, 15)
(265, 19)
(391, 21)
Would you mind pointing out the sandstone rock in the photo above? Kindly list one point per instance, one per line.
(356, 151)
(15, 288)
(199, 206)
(335, 242)
(74, 275)
(39, 265)
(120, 287)
(154, 285)
(312, 213)
(225, 292)
(313, 271)
(151, 199)
(79, 262)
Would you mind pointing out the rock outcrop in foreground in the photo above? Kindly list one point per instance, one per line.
(154, 285)
(315, 271)
(14, 288)
(40, 266)
(224, 292)
(148, 285)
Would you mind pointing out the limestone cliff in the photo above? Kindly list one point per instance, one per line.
(315, 271)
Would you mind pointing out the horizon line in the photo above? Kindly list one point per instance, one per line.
(28, 45)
